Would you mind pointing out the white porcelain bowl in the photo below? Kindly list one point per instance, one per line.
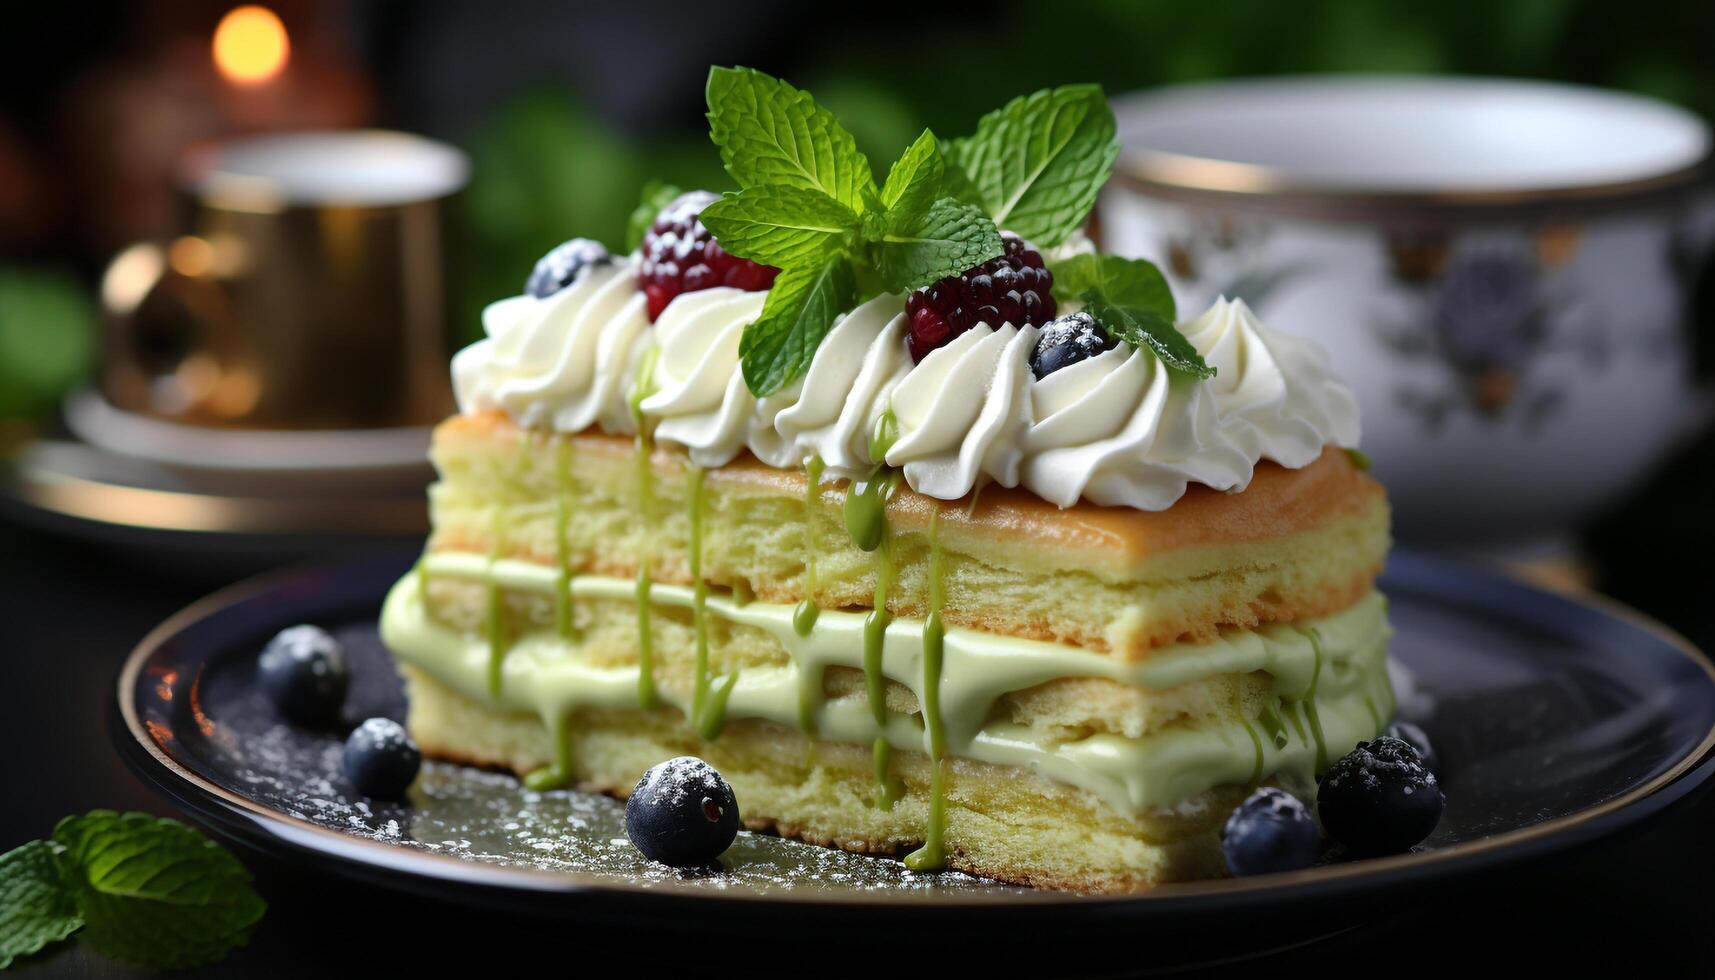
(1499, 268)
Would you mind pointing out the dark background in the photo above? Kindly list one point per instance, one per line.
(566, 108)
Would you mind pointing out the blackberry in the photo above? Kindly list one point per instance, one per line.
(1064, 342)
(680, 256)
(1013, 288)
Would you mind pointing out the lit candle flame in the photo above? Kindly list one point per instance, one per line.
(250, 45)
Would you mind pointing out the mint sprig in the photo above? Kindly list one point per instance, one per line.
(946, 238)
(1130, 299)
(149, 891)
(34, 910)
(808, 205)
(1036, 164)
(798, 313)
(783, 226)
(771, 133)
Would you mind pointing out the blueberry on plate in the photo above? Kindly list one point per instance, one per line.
(556, 270)
(303, 672)
(1380, 799)
(1415, 737)
(1272, 830)
(682, 813)
(1064, 342)
(381, 760)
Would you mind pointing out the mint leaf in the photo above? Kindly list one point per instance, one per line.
(800, 309)
(34, 909)
(780, 225)
(1133, 283)
(154, 892)
(771, 133)
(955, 183)
(656, 195)
(945, 240)
(1038, 161)
(1131, 299)
(914, 181)
(1147, 328)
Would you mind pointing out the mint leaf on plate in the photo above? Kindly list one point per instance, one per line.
(34, 909)
(771, 133)
(945, 240)
(798, 313)
(1037, 162)
(780, 225)
(656, 195)
(154, 892)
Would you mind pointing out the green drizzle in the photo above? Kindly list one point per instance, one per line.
(1309, 703)
(713, 716)
(882, 435)
(932, 855)
(559, 774)
(874, 637)
(1272, 724)
(866, 509)
(699, 591)
(493, 619)
(886, 788)
(1244, 720)
(562, 547)
(647, 697)
(804, 617)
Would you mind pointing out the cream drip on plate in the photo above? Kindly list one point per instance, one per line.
(1116, 429)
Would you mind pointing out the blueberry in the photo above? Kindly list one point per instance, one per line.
(1380, 799)
(682, 813)
(1064, 342)
(381, 760)
(303, 672)
(556, 270)
(1415, 737)
(1270, 831)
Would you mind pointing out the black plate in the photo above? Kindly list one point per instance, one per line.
(1557, 721)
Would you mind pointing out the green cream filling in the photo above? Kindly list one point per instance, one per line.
(1330, 684)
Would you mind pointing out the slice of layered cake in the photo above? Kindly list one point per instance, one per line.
(935, 539)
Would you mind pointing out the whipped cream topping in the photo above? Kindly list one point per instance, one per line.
(699, 394)
(564, 362)
(1117, 429)
(1277, 395)
(832, 410)
(964, 411)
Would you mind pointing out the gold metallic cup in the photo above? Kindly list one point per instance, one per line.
(311, 293)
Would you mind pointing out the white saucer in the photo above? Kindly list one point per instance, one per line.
(355, 452)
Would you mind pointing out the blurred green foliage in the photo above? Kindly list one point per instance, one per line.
(547, 169)
(47, 339)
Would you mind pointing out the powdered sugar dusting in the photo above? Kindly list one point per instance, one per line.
(480, 816)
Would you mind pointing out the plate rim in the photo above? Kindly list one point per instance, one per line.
(401, 866)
